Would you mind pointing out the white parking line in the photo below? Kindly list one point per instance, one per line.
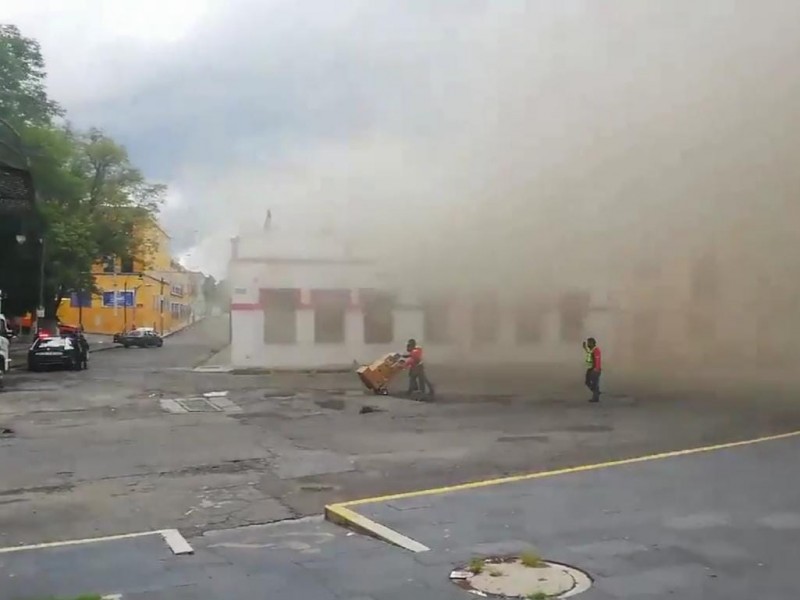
(176, 542)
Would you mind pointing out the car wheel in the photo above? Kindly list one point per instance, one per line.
(126, 345)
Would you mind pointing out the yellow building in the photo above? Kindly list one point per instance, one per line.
(151, 290)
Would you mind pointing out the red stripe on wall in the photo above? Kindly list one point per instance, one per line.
(280, 296)
(245, 306)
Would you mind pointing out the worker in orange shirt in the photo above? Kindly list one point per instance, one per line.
(594, 364)
(417, 379)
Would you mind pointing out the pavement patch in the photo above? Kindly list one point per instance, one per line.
(308, 463)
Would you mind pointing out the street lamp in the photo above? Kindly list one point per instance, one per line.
(135, 290)
(125, 303)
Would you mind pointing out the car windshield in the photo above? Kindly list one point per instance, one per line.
(136, 333)
(53, 343)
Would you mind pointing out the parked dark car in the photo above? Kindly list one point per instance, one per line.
(49, 352)
(140, 338)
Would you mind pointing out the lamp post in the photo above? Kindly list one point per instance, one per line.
(40, 311)
(135, 291)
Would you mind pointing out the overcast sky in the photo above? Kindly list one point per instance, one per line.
(209, 95)
(550, 120)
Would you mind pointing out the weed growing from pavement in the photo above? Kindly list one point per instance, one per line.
(537, 596)
(495, 573)
(476, 566)
(531, 560)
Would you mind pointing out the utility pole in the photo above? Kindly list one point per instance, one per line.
(80, 308)
(125, 305)
(161, 304)
(41, 279)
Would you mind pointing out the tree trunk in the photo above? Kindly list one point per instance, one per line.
(51, 307)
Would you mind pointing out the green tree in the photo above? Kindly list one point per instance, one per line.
(92, 202)
(209, 290)
(23, 94)
(95, 204)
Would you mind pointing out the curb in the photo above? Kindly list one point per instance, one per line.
(339, 514)
(261, 371)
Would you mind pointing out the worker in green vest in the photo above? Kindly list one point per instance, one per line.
(594, 364)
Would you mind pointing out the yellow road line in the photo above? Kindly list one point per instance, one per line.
(516, 478)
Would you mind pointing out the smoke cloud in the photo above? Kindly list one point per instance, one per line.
(532, 146)
(568, 142)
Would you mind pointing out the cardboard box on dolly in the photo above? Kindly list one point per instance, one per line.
(377, 376)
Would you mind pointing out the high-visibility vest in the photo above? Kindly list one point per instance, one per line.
(589, 358)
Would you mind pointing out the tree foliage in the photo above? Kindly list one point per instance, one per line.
(23, 95)
(92, 201)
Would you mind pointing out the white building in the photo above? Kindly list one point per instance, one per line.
(303, 300)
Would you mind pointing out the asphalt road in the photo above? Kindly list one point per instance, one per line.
(719, 525)
(131, 445)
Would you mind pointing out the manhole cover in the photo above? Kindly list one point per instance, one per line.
(521, 577)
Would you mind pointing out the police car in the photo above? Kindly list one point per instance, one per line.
(53, 351)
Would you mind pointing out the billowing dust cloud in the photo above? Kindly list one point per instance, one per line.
(648, 149)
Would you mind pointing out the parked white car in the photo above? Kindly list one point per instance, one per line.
(5, 360)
